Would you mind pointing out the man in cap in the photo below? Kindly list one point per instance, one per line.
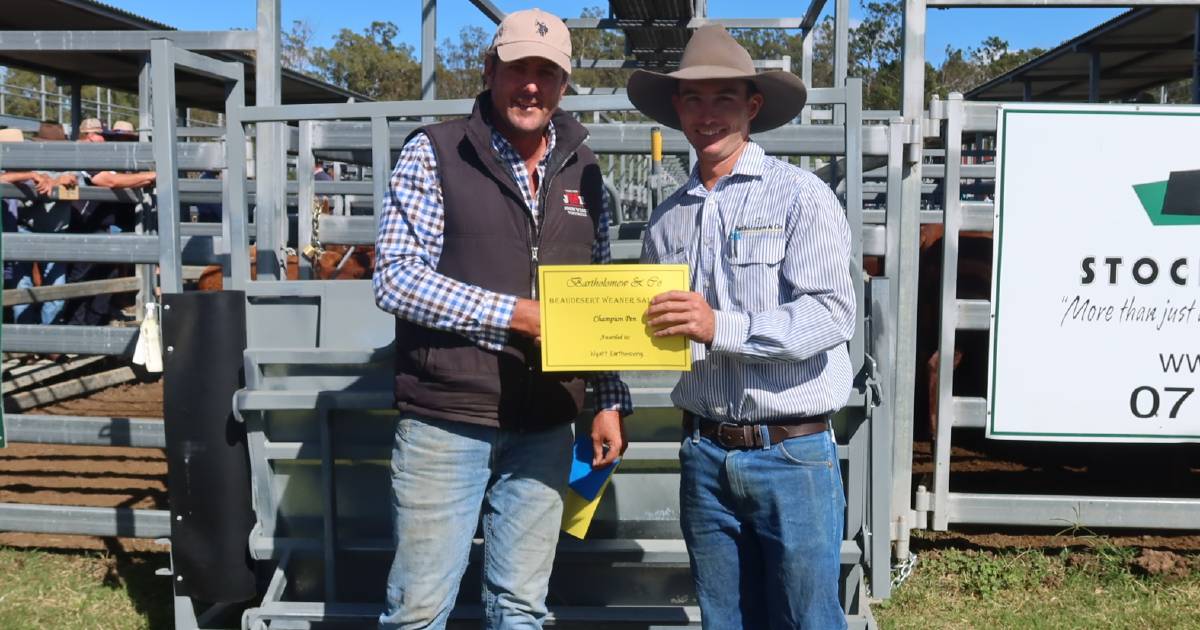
(769, 314)
(91, 130)
(103, 217)
(474, 206)
(122, 130)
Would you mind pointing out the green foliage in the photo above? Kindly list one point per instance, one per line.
(88, 591)
(597, 44)
(297, 47)
(24, 98)
(372, 63)
(1089, 585)
(964, 69)
(460, 65)
(986, 575)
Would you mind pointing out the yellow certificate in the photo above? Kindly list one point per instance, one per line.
(593, 318)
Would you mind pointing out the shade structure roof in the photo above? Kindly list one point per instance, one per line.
(119, 70)
(1139, 49)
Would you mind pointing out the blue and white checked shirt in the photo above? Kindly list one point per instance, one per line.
(409, 246)
(769, 249)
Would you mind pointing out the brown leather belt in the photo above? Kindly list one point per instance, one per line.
(739, 436)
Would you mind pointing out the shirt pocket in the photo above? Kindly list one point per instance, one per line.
(674, 256)
(754, 271)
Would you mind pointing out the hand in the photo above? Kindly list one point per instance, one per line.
(608, 428)
(682, 313)
(42, 183)
(527, 318)
(68, 179)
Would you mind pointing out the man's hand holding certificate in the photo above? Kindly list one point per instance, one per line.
(594, 318)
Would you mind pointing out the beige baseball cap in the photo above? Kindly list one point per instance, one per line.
(11, 135)
(91, 125)
(123, 126)
(533, 33)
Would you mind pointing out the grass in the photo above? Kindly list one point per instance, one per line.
(1095, 587)
(1092, 585)
(84, 590)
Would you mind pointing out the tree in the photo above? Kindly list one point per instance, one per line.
(875, 54)
(598, 44)
(460, 65)
(297, 47)
(372, 63)
(968, 68)
(23, 98)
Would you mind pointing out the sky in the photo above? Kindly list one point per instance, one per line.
(1022, 28)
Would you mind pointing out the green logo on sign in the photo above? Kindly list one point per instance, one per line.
(1175, 201)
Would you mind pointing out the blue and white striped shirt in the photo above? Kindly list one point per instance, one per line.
(769, 249)
(409, 246)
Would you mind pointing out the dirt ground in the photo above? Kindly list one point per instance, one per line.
(89, 475)
(136, 477)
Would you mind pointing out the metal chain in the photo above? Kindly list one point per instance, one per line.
(903, 570)
(315, 248)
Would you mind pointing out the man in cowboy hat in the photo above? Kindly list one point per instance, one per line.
(50, 131)
(474, 206)
(769, 314)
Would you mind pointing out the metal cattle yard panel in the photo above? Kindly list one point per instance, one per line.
(957, 118)
(319, 414)
(162, 249)
(948, 120)
(319, 348)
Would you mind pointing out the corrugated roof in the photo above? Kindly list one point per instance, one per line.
(657, 43)
(1139, 49)
(120, 70)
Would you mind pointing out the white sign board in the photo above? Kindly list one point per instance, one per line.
(1096, 277)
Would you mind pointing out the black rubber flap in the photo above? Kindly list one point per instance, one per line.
(208, 470)
(1183, 193)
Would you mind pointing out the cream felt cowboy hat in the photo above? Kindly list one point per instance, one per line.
(713, 53)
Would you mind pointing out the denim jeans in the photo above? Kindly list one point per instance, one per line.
(444, 475)
(52, 274)
(763, 529)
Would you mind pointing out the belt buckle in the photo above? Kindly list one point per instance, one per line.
(744, 429)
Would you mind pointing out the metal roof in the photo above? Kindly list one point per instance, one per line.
(1137, 50)
(655, 43)
(119, 70)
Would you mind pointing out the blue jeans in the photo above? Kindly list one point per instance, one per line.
(763, 529)
(52, 274)
(444, 475)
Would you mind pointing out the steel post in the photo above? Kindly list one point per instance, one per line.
(270, 212)
(907, 242)
(166, 164)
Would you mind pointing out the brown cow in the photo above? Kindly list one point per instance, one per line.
(970, 348)
(336, 262)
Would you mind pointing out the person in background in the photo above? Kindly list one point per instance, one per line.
(103, 217)
(42, 214)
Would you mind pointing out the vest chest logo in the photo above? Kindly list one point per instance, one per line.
(573, 203)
